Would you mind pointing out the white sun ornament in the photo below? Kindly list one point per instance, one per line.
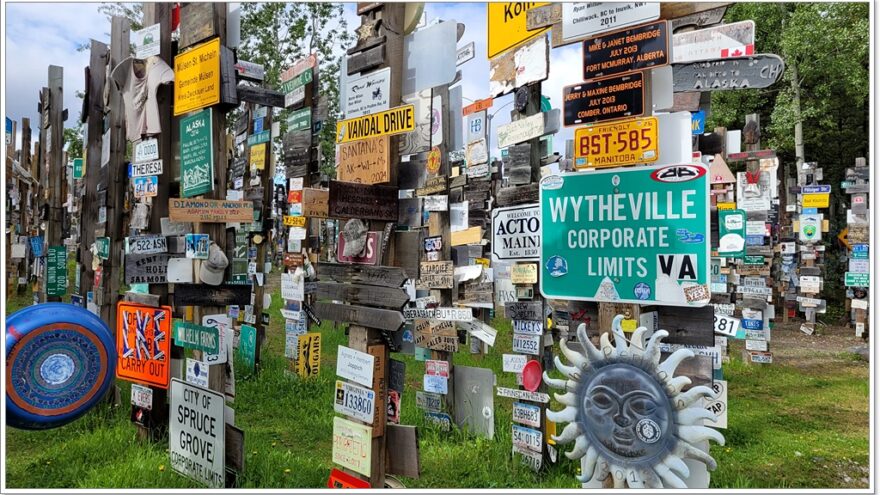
(626, 413)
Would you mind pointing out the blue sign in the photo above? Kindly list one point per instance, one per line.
(825, 188)
(753, 324)
(8, 125)
(37, 246)
(76, 300)
(258, 125)
(698, 122)
(754, 240)
(860, 252)
(809, 211)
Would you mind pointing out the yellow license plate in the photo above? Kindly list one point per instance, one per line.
(616, 144)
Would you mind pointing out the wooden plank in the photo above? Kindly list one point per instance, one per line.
(509, 196)
(210, 210)
(212, 295)
(405, 245)
(234, 440)
(383, 319)
(198, 21)
(699, 19)
(366, 60)
(436, 335)
(687, 326)
(402, 443)
(368, 295)
(435, 275)
(365, 161)
(146, 299)
(314, 202)
(544, 16)
(367, 202)
(260, 96)
(384, 276)
(532, 310)
(146, 268)
(753, 72)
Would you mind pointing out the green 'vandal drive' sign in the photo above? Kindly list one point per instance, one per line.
(638, 235)
(197, 337)
(196, 154)
(56, 271)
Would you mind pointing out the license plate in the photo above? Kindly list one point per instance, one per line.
(528, 327)
(141, 396)
(527, 344)
(613, 145)
(527, 414)
(357, 402)
(726, 325)
(528, 438)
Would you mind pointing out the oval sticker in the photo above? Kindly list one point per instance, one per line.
(552, 182)
(678, 173)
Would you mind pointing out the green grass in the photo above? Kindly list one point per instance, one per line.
(776, 412)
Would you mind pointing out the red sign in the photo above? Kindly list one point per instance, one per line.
(369, 256)
(295, 196)
(476, 106)
(341, 479)
(143, 344)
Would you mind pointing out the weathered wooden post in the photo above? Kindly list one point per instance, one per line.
(52, 286)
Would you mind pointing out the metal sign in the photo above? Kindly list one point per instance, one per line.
(604, 99)
(857, 279)
(732, 233)
(465, 54)
(754, 72)
(397, 120)
(355, 401)
(616, 144)
(527, 344)
(250, 71)
(636, 48)
(196, 154)
(525, 64)
(527, 414)
(736, 39)
(366, 94)
(638, 235)
(79, 169)
(355, 365)
(506, 25)
(192, 336)
(56, 271)
(352, 445)
(516, 233)
(143, 344)
(142, 169)
(197, 439)
(197, 78)
(582, 20)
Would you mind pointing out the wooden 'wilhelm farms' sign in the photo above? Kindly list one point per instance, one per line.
(604, 99)
(755, 72)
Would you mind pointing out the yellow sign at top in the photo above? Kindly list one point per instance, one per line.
(507, 25)
(816, 200)
(396, 120)
(197, 77)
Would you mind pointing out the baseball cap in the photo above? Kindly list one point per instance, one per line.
(213, 268)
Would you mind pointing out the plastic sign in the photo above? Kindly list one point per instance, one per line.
(638, 235)
(507, 25)
(599, 100)
(636, 48)
(616, 144)
(197, 78)
(516, 233)
(143, 344)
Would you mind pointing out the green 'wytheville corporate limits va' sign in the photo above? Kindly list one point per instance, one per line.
(637, 235)
(196, 154)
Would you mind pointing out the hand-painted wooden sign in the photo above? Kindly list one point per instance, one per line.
(435, 275)
(523, 395)
(365, 162)
(210, 210)
(523, 65)
(383, 276)
(212, 295)
(508, 196)
(146, 268)
(604, 99)
(143, 344)
(386, 123)
(383, 319)
(314, 203)
(436, 335)
(197, 78)
(196, 154)
(521, 130)
(350, 200)
(388, 297)
(754, 72)
(636, 48)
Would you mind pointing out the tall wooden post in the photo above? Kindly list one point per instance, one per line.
(264, 246)
(55, 159)
(92, 162)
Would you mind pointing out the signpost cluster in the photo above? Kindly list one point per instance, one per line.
(857, 242)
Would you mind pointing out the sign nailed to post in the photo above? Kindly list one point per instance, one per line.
(516, 233)
(197, 433)
(196, 154)
(507, 25)
(210, 210)
(143, 344)
(604, 99)
(633, 235)
(616, 144)
(582, 20)
(197, 78)
(397, 120)
(724, 40)
(755, 72)
(635, 48)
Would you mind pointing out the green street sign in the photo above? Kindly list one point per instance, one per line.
(258, 138)
(56, 271)
(754, 260)
(79, 169)
(731, 233)
(197, 337)
(639, 235)
(856, 279)
(300, 120)
(196, 154)
(247, 345)
(103, 246)
(297, 81)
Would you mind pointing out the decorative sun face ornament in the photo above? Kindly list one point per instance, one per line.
(626, 412)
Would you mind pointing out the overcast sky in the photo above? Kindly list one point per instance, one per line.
(39, 34)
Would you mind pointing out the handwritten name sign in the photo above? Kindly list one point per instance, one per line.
(210, 210)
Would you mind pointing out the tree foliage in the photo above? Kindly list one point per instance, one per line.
(278, 34)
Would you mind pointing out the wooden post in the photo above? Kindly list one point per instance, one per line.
(55, 158)
(268, 191)
(116, 178)
(92, 162)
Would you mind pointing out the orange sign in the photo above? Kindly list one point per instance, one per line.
(477, 106)
(341, 479)
(143, 344)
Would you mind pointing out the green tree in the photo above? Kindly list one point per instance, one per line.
(73, 141)
(278, 34)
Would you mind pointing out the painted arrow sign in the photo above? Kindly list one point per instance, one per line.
(383, 319)
(758, 71)
(385, 276)
(388, 297)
